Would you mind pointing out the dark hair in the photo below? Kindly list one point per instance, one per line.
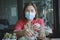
(28, 4)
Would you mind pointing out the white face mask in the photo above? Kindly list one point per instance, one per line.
(29, 16)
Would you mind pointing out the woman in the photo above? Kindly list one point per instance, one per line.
(29, 16)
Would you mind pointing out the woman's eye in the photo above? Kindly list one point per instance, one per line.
(32, 10)
(27, 10)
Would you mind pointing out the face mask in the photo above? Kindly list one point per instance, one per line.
(29, 16)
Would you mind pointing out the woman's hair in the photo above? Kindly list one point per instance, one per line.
(28, 4)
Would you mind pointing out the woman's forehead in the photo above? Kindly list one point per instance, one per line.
(30, 7)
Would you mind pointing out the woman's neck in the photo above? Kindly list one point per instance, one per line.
(29, 20)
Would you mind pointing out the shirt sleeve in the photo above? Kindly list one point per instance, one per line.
(18, 26)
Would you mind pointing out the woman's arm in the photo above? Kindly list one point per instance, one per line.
(20, 33)
(18, 28)
(42, 33)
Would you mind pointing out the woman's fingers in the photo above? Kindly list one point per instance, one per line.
(36, 28)
(41, 36)
(29, 33)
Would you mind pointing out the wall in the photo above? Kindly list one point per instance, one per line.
(5, 10)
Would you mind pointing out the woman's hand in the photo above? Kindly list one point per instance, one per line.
(42, 33)
(36, 27)
(41, 36)
(28, 33)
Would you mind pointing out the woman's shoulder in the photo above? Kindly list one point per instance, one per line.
(39, 19)
(21, 21)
